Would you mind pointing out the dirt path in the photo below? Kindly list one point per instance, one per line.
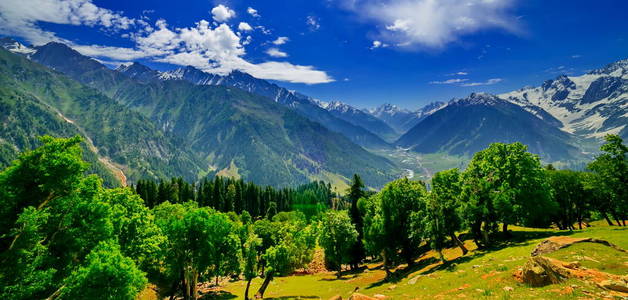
(117, 171)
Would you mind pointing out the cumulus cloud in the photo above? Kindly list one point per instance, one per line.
(253, 12)
(209, 47)
(274, 52)
(461, 73)
(488, 82)
(243, 26)
(22, 17)
(281, 40)
(222, 13)
(434, 23)
(220, 50)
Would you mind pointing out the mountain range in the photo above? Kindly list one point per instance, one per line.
(140, 122)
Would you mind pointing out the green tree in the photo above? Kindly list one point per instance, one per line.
(292, 247)
(106, 274)
(355, 193)
(338, 236)
(443, 217)
(200, 242)
(53, 243)
(570, 195)
(399, 200)
(612, 168)
(505, 184)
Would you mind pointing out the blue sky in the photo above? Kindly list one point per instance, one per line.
(363, 52)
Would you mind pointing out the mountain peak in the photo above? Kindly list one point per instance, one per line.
(138, 71)
(477, 99)
(620, 66)
(15, 46)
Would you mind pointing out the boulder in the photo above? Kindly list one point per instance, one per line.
(541, 271)
(558, 242)
(358, 296)
(615, 285)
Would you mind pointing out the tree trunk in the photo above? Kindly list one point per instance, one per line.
(441, 256)
(246, 292)
(485, 239)
(194, 288)
(456, 240)
(505, 227)
(339, 271)
(262, 289)
(385, 263)
(607, 220)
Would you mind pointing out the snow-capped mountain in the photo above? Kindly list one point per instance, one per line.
(304, 105)
(360, 118)
(591, 105)
(15, 46)
(467, 125)
(403, 119)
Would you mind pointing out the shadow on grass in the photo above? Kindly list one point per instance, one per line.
(218, 295)
(500, 241)
(294, 297)
(348, 274)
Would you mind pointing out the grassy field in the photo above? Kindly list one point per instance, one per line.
(486, 274)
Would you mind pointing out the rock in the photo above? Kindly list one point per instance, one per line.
(479, 290)
(358, 296)
(558, 242)
(379, 296)
(476, 266)
(615, 285)
(414, 279)
(540, 271)
(572, 265)
(337, 297)
(392, 287)
(508, 289)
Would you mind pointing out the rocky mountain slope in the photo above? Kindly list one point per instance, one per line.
(401, 119)
(237, 133)
(303, 105)
(465, 126)
(360, 118)
(589, 106)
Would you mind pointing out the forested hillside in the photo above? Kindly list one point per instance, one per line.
(41, 101)
(237, 133)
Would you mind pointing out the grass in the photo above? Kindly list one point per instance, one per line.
(480, 274)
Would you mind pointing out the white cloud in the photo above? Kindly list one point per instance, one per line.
(116, 53)
(274, 52)
(312, 23)
(576, 56)
(287, 72)
(488, 82)
(212, 48)
(253, 12)
(243, 26)
(22, 17)
(222, 13)
(459, 74)
(220, 50)
(281, 40)
(378, 44)
(450, 81)
(431, 23)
